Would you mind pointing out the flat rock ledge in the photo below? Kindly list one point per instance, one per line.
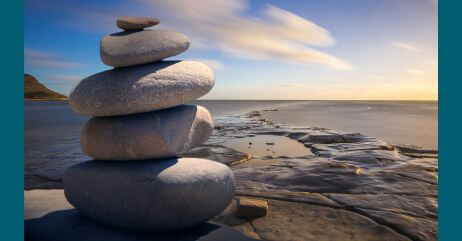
(352, 186)
(351, 181)
(48, 216)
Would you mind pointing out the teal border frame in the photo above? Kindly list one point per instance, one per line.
(449, 112)
(12, 141)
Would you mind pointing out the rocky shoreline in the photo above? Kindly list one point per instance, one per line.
(351, 187)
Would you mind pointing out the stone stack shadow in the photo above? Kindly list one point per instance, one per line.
(140, 124)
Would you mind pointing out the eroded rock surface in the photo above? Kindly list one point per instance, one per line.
(351, 186)
(298, 221)
(350, 182)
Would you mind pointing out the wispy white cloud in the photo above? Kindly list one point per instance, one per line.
(334, 79)
(276, 34)
(225, 25)
(45, 63)
(415, 72)
(293, 85)
(43, 59)
(406, 46)
(32, 53)
(377, 77)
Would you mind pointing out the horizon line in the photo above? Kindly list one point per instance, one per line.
(433, 100)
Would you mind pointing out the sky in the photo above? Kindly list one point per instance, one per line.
(284, 50)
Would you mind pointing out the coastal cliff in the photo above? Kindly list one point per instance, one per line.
(34, 90)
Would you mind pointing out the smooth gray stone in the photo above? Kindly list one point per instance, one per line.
(136, 23)
(130, 48)
(158, 195)
(150, 135)
(142, 88)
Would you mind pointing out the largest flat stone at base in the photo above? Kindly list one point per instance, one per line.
(141, 88)
(156, 134)
(150, 195)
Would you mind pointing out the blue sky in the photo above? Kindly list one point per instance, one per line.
(287, 49)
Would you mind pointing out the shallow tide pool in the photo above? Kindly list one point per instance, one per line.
(268, 145)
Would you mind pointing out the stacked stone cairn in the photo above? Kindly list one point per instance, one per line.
(140, 125)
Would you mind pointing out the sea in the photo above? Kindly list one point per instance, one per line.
(52, 130)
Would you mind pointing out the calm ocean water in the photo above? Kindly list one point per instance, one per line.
(396, 122)
(52, 130)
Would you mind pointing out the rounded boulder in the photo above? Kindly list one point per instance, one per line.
(150, 135)
(142, 88)
(161, 195)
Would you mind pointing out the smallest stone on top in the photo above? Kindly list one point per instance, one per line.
(136, 23)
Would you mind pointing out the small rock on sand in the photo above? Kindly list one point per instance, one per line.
(248, 208)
